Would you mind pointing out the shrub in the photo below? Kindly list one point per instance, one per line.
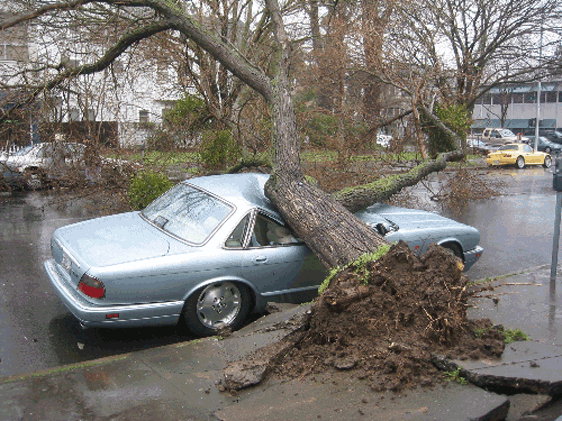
(145, 187)
(456, 118)
(218, 149)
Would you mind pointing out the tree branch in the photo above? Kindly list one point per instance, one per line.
(101, 64)
(361, 197)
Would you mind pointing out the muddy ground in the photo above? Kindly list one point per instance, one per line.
(384, 322)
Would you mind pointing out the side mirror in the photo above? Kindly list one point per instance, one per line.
(382, 228)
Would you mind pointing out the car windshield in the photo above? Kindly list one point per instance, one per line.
(187, 213)
(22, 151)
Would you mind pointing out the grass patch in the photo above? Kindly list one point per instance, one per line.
(510, 335)
(65, 368)
(359, 266)
(515, 335)
(455, 376)
(165, 158)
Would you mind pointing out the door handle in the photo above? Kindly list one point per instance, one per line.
(261, 259)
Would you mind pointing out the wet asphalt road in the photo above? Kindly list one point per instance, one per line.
(37, 332)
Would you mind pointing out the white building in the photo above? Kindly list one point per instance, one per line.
(121, 103)
(514, 106)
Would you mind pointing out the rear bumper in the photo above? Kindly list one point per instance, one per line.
(472, 256)
(92, 315)
(502, 161)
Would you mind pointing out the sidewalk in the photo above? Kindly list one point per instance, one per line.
(183, 381)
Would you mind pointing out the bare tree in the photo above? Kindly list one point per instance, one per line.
(474, 46)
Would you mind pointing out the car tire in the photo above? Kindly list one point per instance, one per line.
(520, 162)
(548, 150)
(216, 306)
(547, 162)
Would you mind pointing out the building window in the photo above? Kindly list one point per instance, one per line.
(530, 98)
(74, 114)
(518, 98)
(90, 115)
(13, 52)
(143, 116)
(550, 97)
(501, 98)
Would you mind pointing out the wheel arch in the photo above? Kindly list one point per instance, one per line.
(454, 245)
(234, 279)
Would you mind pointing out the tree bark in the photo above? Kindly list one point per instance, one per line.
(335, 235)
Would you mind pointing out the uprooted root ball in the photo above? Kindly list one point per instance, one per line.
(386, 326)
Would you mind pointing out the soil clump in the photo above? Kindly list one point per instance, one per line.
(386, 321)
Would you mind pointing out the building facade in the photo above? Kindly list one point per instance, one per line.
(515, 106)
(117, 106)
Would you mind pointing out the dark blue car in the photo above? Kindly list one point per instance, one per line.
(545, 145)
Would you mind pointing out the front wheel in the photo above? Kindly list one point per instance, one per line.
(216, 306)
(547, 162)
(548, 150)
(520, 163)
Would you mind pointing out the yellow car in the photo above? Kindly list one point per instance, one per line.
(518, 154)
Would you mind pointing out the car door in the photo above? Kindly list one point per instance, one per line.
(276, 262)
(530, 156)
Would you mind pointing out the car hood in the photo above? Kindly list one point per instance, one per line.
(113, 240)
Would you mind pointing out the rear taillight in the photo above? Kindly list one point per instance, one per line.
(91, 286)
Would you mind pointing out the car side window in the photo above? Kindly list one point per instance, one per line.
(527, 148)
(236, 239)
(268, 232)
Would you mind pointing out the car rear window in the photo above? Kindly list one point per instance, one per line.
(508, 148)
(187, 213)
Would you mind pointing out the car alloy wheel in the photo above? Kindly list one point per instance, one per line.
(548, 150)
(520, 163)
(547, 162)
(216, 306)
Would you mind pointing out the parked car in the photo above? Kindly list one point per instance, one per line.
(207, 252)
(545, 145)
(479, 147)
(384, 140)
(4, 155)
(45, 155)
(46, 160)
(554, 136)
(520, 155)
(10, 179)
(498, 137)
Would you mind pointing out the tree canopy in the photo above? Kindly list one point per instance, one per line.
(358, 49)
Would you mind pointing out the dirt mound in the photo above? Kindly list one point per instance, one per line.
(385, 322)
